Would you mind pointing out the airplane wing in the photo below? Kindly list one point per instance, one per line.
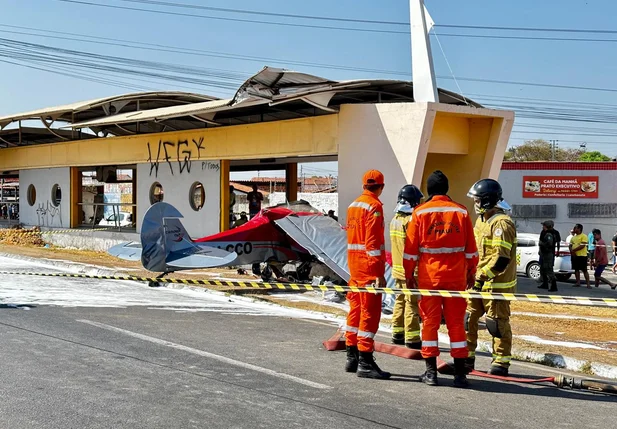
(129, 251)
(324, 238)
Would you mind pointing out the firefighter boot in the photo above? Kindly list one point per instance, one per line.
(367, 367)
(498, 370)
(351, 365)
(470, 365)
(398, 339)
(460, 373)
(430, 375)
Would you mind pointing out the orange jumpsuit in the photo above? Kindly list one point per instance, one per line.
(367, 261)
(440, 241)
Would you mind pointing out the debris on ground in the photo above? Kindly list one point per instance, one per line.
(21, 237)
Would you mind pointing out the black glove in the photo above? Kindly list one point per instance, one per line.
(478, 285)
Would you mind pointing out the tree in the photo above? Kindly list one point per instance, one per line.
(540, 150)
(594, 156)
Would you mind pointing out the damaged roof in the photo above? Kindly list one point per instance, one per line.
(273, 94)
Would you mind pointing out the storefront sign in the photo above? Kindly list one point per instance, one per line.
(560, 186)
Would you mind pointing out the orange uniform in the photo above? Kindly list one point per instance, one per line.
(440, 242)
(367, 261)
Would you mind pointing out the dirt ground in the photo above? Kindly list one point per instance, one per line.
(602, 334)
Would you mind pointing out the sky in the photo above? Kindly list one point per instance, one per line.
(591, 65)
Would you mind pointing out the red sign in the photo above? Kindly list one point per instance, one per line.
(560, 186)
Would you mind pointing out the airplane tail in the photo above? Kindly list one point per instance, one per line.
(167, 246)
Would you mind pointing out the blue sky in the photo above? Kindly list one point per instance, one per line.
(587, 64)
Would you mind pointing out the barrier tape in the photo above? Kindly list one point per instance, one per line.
(550, 299)
(59, 231)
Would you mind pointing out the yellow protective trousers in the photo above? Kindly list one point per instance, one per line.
(499, 312)
(405, 316)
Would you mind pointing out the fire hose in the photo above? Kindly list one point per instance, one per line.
(560, 381)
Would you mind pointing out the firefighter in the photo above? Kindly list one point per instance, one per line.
(496, 239)
(441, 244)
(367, 263)
(405, 316)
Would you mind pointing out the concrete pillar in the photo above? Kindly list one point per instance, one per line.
(408, 141)
(75, 195)
(291, 181)
(224, 169)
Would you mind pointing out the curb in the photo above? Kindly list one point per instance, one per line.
(74, 267)
(547, 359)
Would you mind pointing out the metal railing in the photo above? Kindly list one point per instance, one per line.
(98, 216)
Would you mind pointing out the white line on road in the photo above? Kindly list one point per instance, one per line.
(208, 355)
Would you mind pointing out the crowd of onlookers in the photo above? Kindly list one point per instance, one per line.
(588, 252)
(9, 211)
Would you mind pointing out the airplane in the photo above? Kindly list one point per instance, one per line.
(287, 233)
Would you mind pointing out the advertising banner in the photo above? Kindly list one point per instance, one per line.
(560, 186)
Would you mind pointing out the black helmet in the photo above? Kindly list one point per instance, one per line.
(490, 194)
(410, 194)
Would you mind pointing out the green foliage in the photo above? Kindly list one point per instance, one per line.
(594, 156)
(540, 150)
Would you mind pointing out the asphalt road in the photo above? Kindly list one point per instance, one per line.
(99, 354)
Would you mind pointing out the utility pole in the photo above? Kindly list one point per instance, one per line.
(553, 148)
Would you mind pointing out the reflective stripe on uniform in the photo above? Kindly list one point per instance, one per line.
(407, 256)
(365, 334)
(430, 344)
(410, 335)
(397, 234)
(506, 285)
(441, 250)
(351, 329)
(502, 359)
(440, 210)
(497, 242)
(458, 345)
(356, 247)
(471, 255)
(361, 205)
(374, 252)
(488, 272)
(398, 330)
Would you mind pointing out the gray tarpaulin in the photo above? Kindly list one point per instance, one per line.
(326, 239)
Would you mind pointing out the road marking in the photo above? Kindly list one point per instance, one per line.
(208, 355)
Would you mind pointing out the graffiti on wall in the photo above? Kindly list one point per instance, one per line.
(48, 214)
(169, 153)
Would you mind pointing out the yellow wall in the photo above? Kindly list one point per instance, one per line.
(307, 136)
(463, 170)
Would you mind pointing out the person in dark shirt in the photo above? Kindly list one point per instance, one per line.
(614, 241)
(254, 198)
(548, 243)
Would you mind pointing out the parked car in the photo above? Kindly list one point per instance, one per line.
(121, 219)
(528, 259)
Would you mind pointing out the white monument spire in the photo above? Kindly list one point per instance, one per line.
(424, 85)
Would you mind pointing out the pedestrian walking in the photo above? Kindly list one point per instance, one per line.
(578, 251)
(600, 259)
(367, 263)
(547, 244)
(405, 315)
(496, 239)
(440, 243)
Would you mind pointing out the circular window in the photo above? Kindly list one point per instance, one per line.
(56, 195)
(156, 193)
(31, 195)
(197, 196)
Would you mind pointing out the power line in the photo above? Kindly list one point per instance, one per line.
(539, 29)
(253, 12)
(549, 39)
(191, 15)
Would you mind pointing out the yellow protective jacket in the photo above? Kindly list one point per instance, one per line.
(496, 237)
(398, 231)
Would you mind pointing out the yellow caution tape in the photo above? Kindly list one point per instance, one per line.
(470, 294)
(55, 231)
